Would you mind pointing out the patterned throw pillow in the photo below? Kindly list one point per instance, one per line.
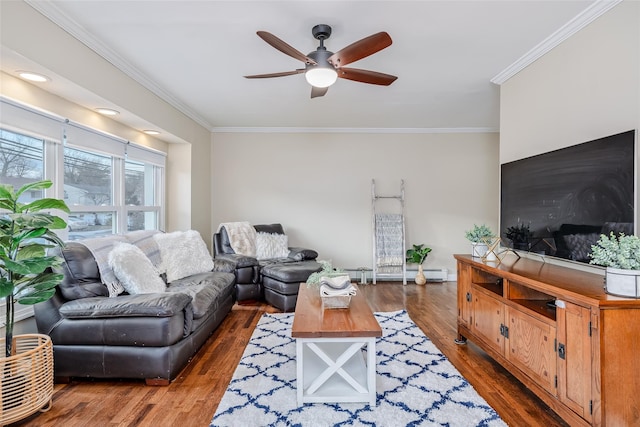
(134, 270)
(183, 254)
(271, 245)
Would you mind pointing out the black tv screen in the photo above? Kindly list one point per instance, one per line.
(568, 197)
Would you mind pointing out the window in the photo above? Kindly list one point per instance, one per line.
(21, 161)
(110, 185)
(141, 195)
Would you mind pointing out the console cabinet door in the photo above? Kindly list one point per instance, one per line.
(488, 319)
(530, 346)
(464, 295)
(574, 358)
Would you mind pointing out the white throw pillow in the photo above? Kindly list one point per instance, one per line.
(271, 245)
(183, 254)
(134, 270)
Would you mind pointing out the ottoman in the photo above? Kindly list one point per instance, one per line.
(281, 282)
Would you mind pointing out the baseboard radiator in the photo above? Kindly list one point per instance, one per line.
(432, 275)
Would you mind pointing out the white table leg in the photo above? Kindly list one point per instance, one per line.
(371, 370)
(299, 370)
(340, 364)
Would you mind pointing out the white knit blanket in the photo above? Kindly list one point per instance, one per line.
(389, 241)
(242, 237)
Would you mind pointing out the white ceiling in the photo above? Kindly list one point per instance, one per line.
(194, 54)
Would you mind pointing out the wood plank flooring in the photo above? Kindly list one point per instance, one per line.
(192, 398)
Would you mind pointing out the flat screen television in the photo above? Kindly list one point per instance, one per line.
(568, 197)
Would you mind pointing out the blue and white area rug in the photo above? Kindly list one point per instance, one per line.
(416, 385)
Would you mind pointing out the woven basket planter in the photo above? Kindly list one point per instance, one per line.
(26, 378)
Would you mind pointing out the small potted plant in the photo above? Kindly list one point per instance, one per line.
(479, 236)
(519, 234)
(621, 257)
(25, 277)
(417, 255)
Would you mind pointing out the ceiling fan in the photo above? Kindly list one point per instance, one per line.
(322, 67)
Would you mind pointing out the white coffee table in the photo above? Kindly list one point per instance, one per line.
(331, 366)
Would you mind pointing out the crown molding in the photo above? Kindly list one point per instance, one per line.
(351, 130)
(587, 16)
(54, 14)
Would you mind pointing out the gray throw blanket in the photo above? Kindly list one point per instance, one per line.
(101, 246)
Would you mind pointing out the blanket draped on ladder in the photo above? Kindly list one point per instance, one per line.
(389, 242)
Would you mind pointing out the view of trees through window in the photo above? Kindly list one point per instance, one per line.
(90, 185)
(21, 161)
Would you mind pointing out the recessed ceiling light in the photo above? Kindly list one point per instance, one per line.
(107, 111)
(151, 132)
(33, 77)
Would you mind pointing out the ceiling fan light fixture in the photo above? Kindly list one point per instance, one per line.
(321, 77)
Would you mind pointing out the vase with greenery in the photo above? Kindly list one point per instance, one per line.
(417, 255)
(519, 234)
(25, 236)
(621, 257)
(479, 236)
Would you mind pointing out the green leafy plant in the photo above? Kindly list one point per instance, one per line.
(519, 233)
(25, 236)
(479, 234)
(327, 271)
(417, 254)
(617, 251)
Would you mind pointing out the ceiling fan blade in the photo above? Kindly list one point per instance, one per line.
(284, 47)
(366, 76)
(282, 74)
(360, 49)
(318, 91)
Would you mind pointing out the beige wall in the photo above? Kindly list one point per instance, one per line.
(61, 55)
(586, 88)
(318, 185)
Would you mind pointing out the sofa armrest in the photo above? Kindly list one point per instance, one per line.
(224, 265)
(302, 254)
(240, 261)
(141, 305)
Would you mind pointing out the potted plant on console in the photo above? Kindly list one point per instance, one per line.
(621, 256)
(519, 234)
(417, 255)
(26, 370)
(479, 236)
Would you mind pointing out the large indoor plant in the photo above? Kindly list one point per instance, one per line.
(25, 278)
(621, 256)
(480, 237)
(417, 255)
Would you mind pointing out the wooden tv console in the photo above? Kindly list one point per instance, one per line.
(581, 355)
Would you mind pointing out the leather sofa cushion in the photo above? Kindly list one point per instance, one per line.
(240, 261)
(225, 242)
(269, 228)
(294, 272)
(122, 331)
(205, 289)
(302, 254)
(152, 305)
(81, 275)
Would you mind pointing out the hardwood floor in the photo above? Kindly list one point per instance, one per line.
(192, 398)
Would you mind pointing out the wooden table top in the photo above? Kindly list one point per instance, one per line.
(311, 321)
